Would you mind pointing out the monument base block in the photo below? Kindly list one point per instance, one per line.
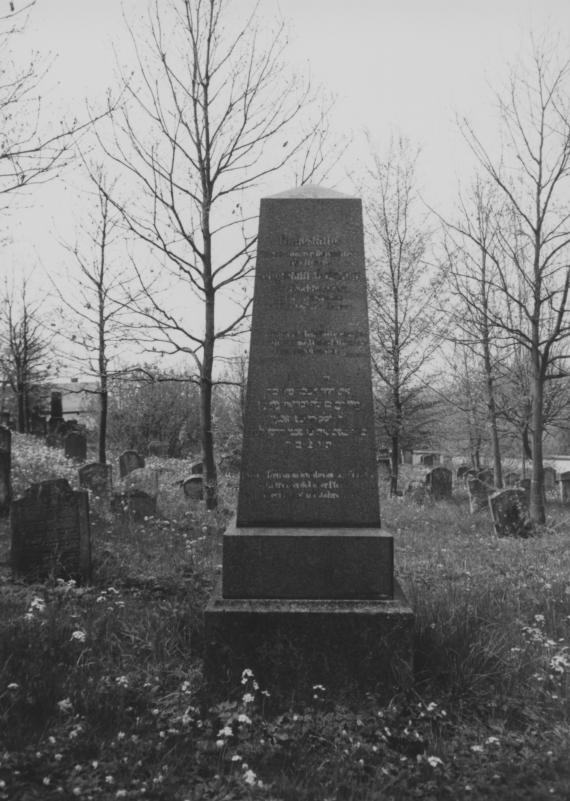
(293, 562)
(290, 645)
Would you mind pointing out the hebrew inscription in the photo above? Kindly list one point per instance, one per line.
(308, 456)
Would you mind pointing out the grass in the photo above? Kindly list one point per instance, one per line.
(102, 693)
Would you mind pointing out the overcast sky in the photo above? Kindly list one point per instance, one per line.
(411, 65)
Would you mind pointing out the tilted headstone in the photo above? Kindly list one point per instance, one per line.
(565, 487)
(549, 478)
(50, 532)
(128, 461)
(306, 545)
(5, 470)
(509, 509)
(134, 504)
(438, 483)
(97, 477)
(193, 487)
(479, 492)
(75, 446)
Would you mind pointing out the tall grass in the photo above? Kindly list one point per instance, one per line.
(102, 692)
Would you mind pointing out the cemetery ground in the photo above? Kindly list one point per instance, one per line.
(102, 694)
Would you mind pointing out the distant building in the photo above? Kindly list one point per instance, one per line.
(425, 458)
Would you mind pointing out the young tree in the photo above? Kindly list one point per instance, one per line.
(215, 113)
(403, 327)
(532, 176)
(24, 350)
(472, 255)
(95, 299)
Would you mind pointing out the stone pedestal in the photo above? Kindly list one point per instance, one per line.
(308, 593)
(307, 563)
(349, 646)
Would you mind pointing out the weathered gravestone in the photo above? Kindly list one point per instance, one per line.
(438, 483)
(5, 469)
(509, 510)
(128, 461)
(134, 504)
(50, 532)
(75, 446)
(565, 487)
(97, 477)
(307, 582)
(193, 487)
(478, 492)
(143, 478)
(549, 478)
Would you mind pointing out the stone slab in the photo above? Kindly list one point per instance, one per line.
(308, 448)
(346, 645)
(51, 534)
(307, 563)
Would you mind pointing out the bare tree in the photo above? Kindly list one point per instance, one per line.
(95, 298)
(24, 349)
(471, 269)
(30, 148)
(533, 276)
(402, 324)
(215, 113)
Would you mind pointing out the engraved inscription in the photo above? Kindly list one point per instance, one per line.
(315, 279)
(305, 418)
(322, 343)
(306, 485)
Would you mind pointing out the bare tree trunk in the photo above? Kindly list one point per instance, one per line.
(22, 427)
(103, 411)
(493, 419)
(537, 510)
(210, 473)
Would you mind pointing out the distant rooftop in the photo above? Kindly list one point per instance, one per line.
(311, 191)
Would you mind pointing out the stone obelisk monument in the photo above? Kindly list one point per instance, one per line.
(305, 561)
